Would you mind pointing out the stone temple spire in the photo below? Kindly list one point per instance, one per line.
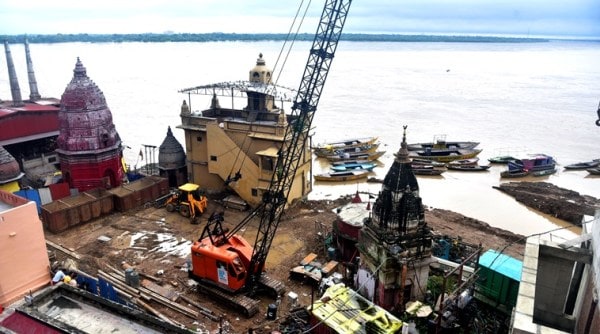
(402, 154)
(398, 206)
(396, 239)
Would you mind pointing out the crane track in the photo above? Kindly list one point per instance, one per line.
(240, 302)
(273, 287)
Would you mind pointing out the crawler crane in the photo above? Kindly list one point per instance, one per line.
(228, 267)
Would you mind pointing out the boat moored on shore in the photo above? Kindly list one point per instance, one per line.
(368, 166)
(346, 143)
(342, 176)
(445, 156)
(440, 143)
(583, 165)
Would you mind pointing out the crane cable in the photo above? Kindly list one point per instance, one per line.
(238, 174)
(293, 40)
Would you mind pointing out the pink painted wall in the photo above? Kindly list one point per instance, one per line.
(24, 263)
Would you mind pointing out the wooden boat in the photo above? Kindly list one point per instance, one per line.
(347, 143)
(425, 166)
(594, 171)
(446, 155)
(368, 156)
(342, 176)
(324, 152)
(469, 168)
(511, 174)
(464, 162)
(419, 162)
(354, 166)
(501, 159)
(544, 172)
(584, 165)
(344, 162)
(428, 171)
(534, 163)
(439, 143)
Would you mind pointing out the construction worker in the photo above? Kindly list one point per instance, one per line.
(58, 276)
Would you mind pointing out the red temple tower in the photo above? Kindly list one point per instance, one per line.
(89, 146)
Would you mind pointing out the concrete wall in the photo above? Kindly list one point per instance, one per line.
(588, 310)
(24, 264)
(596, 249)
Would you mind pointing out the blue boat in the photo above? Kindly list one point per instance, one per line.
(540, 164)
(354, 166)
(534, 163)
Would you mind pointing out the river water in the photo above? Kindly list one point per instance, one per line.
(513, 98)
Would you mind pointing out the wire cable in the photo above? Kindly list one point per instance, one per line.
(295, 36)
(529, 236)
(354, 293)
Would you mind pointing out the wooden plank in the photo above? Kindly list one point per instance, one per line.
(155, 312)
(329, 267)
(308, 259)
(118, 283)
(148, 293)
(63, 250)
(177, 307)
(203, 310)
(161, 290)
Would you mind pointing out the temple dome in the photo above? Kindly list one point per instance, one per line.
(85, 121)
(9, 167)
(260, 73)
(170, 153)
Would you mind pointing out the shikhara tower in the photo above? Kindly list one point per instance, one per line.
(89, 146)
(395, 242)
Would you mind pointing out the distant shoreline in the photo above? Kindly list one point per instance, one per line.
(230, 37)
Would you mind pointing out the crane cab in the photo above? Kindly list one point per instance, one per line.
(224, 265)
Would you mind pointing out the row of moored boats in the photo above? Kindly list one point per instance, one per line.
(350, 159)
(353, 159)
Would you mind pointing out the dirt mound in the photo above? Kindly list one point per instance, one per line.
(564, 204)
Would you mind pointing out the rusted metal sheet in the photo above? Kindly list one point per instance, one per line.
(71, 211)
(139, 192)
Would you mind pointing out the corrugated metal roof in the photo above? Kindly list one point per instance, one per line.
(345, 311)
(502, 263)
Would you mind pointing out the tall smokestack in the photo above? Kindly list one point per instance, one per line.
(12, 75)
(34, 95)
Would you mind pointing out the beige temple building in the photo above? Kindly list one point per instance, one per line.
(238, 148)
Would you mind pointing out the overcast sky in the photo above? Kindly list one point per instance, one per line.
(512, 17)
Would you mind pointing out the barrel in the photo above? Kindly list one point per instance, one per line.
(271, 312)
(132, 278)
(331, 253)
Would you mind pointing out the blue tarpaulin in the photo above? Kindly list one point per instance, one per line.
(32, 195)
(108, 291)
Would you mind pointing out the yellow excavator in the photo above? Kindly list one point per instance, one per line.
(188, 201)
